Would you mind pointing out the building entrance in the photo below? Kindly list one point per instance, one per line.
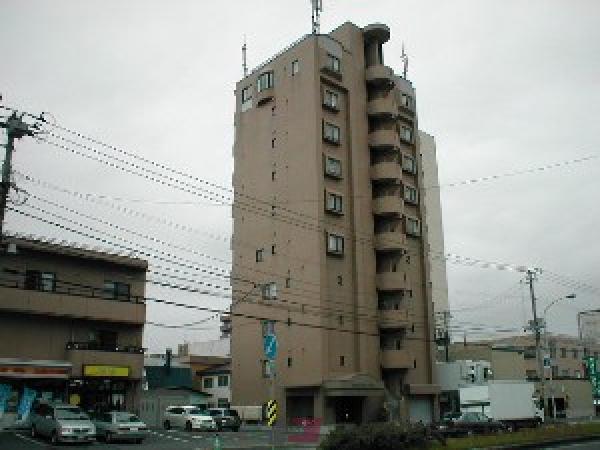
(348, 409)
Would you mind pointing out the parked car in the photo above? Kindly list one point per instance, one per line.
(226, 418)
(470, 423)
(61, 423)
(188, 417)
(119, 425)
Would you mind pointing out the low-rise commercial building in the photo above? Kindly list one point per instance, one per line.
(71, 325)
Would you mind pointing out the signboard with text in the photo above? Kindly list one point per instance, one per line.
(105, 371)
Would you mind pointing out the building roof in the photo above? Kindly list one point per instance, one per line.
(71, 249)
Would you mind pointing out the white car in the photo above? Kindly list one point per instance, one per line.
(189, 418)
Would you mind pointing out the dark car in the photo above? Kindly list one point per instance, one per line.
(470, 423)
(226, 418)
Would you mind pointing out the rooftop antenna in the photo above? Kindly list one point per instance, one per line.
(404, 58)
(244, 65)
(317, 9)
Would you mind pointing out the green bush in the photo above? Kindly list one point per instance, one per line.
(379, 436)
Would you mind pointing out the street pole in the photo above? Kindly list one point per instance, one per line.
(536, 328)
(15, 129)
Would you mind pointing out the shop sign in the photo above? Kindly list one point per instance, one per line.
(105, 371)
(34, 372)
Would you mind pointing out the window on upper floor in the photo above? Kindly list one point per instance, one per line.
(333, 203)
(269, 291)
(40, 281)
(223, 381)
(333, 167)
(207, 382)
(260, 254)
(406, 101)
(413, 226)
(333, 63)
(331, 99)
(335, 244)
(406, 133)
(295, 67)
(331, 133)
(410, 194)
(409, 164)
(246, 95)
(116, 290)
(575, 353)
(265, 81)
(563, 352)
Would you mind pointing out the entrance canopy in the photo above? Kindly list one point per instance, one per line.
(354, 385)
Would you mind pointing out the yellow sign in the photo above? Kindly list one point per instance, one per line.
(74, 399)
(105, 371)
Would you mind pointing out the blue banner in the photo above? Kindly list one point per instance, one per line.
(4, 396)
(25, 403)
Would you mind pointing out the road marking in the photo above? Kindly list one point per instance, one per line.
(28, 439)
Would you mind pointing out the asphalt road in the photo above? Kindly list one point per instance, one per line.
(590, 445)
(156, 440)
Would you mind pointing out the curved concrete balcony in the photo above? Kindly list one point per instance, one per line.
(377, 31)
(382, 108)
(265, 95)
(386, 171)
(390, 241)
(391, 319)
(396, 359)
(388, 205)
(390, 281)
(384, 139)
(380, 76)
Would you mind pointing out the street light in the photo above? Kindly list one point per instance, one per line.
(543, 374)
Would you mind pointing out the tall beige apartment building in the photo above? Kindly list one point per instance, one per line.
(330, 236)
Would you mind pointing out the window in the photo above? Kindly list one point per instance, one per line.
(223, 381)
(331, 133)
(265, 81)
(273, 176)
(273, 248)
(333, 63)
(222, 403)
(406, 134)
(413, 226)
(564, 373)
(269, 291)
(410, 194)
(577, 374)
(246, 95)
(331, 100)
(334, 203)
(295, 67)
(40, 281)
(406, 101)
(116, 290)
(333, 167)
(342, 361)
(260, 254)
(335, 244)
(530, 374)
(289, 362)
(563, 352)
(409, 164)
(552, 352)
(340, 280)
(207, 383)
(575, 353)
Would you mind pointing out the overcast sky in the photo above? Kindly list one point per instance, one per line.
(502, 85)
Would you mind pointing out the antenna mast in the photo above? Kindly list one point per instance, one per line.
(317, 9)
(244, 65)
(404, 58)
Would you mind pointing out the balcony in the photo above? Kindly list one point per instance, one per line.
(380, 76)
(68, 300)
(382, 108)
(384, 139)
(390, 281)
(391, 319)
(126, 362)
(396, 359)
(389, 241)
(265, 96)
(388, 205)
(386, 171)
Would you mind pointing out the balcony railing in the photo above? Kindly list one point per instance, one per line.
(98, 347)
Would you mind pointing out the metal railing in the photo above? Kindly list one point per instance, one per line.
(99, 347)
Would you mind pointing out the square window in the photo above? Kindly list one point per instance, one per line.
(116, 290)
(334, 203)
(333, 167)
(410, 194)
(406, 134)
(413, 227)
(331, 133)
(331, 100)
(269, 291)
(295, 67)
(265, 81)
(207, 383)
(409, 164)
(223, 381)
(335, 244)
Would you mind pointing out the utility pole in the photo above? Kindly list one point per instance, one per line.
(15, 129)
(536, 326)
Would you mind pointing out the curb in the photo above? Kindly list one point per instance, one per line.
(553, 442)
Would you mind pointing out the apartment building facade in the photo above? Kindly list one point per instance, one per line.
(71, 325)
(330, 234)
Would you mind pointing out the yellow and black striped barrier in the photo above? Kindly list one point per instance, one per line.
(271, 412)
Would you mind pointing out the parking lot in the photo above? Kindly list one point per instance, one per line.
(157, 439)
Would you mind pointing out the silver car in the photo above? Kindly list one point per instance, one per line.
(122, 426)
(61, 423)
(188, 417)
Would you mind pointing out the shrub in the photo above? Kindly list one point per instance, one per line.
(378, 436)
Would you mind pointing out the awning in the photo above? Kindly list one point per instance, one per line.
(355, 385)
(28, 368)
